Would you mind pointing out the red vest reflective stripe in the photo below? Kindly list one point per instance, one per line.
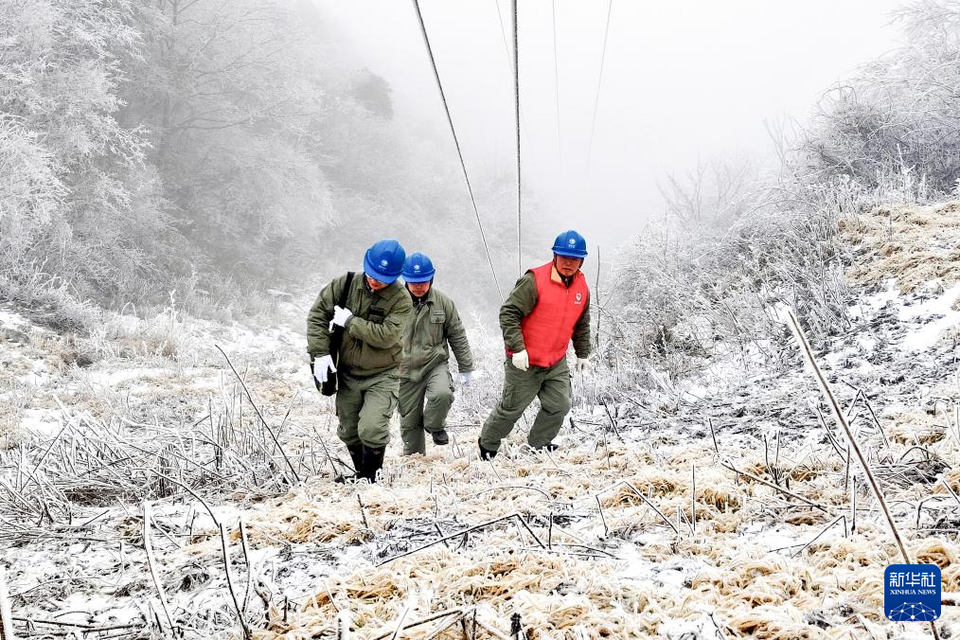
(549, 327)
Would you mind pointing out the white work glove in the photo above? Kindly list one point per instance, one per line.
(463, 379)
(521, 360)
(321, 367)
(582, 366)
(341, 316)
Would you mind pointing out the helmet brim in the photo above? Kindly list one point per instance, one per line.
(371, 270)
(569, 254)
(418, 279)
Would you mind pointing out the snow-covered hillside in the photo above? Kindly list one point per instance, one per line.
(154, 485)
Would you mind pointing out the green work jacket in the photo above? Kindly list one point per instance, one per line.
(433, 331)
(372, 340)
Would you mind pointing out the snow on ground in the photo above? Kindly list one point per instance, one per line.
(638, 526)
(934, 317)
(10, 319)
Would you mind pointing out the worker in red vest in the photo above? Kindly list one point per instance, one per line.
(548, 306)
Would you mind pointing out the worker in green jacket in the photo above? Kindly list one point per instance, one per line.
(548, 307)
(426, 386)
(372, 322)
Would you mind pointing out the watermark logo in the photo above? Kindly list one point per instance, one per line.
(911, 592)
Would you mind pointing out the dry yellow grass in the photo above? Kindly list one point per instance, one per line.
(912, 243)
(953, 479)
(916, 427)
(750, 589)
(721, 498)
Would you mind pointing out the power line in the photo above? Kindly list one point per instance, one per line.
(516, 93)
(503, 32)
(456, 142)
(596, 101)
(531, 155)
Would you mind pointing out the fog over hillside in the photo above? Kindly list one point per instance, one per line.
(275, 364)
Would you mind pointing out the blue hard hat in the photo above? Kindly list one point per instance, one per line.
(418, 268)
(570, 244)
(384, 261)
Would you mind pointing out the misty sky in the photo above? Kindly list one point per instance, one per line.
(683, 82)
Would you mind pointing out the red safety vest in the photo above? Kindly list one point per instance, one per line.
(549, 327)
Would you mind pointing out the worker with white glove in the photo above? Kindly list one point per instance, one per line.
(548, 307)
(426, 386)
(322, 367)
(355, 330)
(521, 360)
(341, 317)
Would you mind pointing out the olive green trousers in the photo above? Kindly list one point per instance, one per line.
(550, 384)
(424, 405)
(365, 406)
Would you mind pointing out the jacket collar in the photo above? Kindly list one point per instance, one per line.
(427, 299)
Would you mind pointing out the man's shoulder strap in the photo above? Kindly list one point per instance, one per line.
(345, 293)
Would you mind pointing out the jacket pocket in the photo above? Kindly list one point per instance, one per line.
(394, 401)
(438, 320)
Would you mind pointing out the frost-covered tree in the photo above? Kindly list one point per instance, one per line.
(373, 92)
(194, 144)
(233, 95)
(900, 113)
(77, 197)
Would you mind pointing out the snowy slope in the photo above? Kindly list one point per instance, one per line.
(637, 526)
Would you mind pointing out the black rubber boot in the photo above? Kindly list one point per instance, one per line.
(356, 454)
(372, 462)
(550, 446)
(486, 454)
(440, 437)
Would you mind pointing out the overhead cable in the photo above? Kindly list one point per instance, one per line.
(456, 142)
(596, 101)
(516, 94)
